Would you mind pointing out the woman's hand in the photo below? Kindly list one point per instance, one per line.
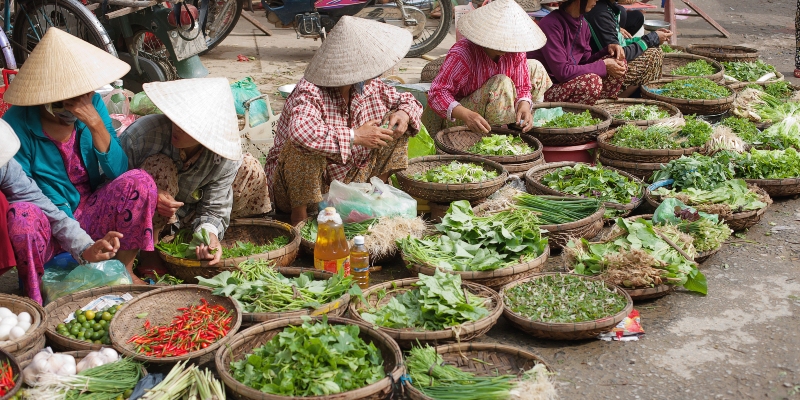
(83, 109)
(616, 51)
(167, 206)
(212, 252)
(372, 136)
(103, 249)
(663, 35)
(399, 120)
(524, 116)
(625, 33)
(613, 68)
(474, 121)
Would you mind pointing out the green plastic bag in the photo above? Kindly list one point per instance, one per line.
(58, 282)
(421, 145)
(142, 105)
(665, 213)
(245, 89)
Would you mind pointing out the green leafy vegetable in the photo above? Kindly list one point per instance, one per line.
(733, 196)
(243, 249)
(564, 298)
(167, 279)
(182, 247)
(779, 89)
(597, 182)
(693, 89)
(743, 71)
(696, 171)
(668, 49)
(695, 68)
(456, 172)
(768, 164)
(707, 234)
(743, 128)
(652, 137)
(313, 359)
(437, 302)
(572, 120)
(639, 112)
(558, 210)
(500, 145)
(696, 131)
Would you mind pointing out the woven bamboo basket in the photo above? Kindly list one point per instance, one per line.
(30, 351)
(16, 372)
(256, 231)
(617, 153)
(571, 136)
(778, 187)
(641, 170)
(699, 107)
(335, 308)
(410, 336)
(244, 343)
(675, 60)
(519, 170)
(564, 331)
(739, 86)
(483, 359)
(446, 192)
(125, 323)
(17, 305)
(534, 186)
(721, 52)
(703, 256)
(459, 139)
(58, 310)
(493, 279)
(431, 69)
(737, 221)
(617, 106)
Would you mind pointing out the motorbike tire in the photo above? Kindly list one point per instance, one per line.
(227, 29)
(423, 47)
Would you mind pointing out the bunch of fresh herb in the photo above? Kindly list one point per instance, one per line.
(639, 258)
(695, 68)
(668, 49)
(500, 145)
(707, 234)
(456, 172)
(437, 302)
(727, 197)
(244, 249)
(572, 120)
(597, 182)
(768, 164)
(313, 359)
(564, 299)
(780, 89)
(642, 112)
(696, 171)
(185, 243)
(652, 137)
(743, 128)
(696, 131)
(557, 210)
(744, 71)
(167, 279)
(693, 89)
(470, 243)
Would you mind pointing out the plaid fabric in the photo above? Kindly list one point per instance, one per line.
(318, 121)
(205, 187)
(467, 68)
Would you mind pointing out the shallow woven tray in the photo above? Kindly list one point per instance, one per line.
(27, 353)
(617, 153)
(519, 170)
(446, 192)
(641, 170)
(672, 61)
(534, 186)
(409, 336)
(483, 359)
(161, 305)
(244, 342)
(493, 279)
(649, 293)
(564, 331)
(17, 305)
(334, 308)
(16, 371)
(699, 107)
(257, 231)
(64, 306)
(736, 221)
(703, 256)
(721, 52)
(617, 106)
(738, 86)
(459, 139)
(571, 136)
(778, 187)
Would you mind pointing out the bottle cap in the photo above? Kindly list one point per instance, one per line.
(118, 83)
(358, 240)
(329, 214)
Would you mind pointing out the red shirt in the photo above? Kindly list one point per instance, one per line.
(467, 68)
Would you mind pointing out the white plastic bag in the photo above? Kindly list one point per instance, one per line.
(357, 202)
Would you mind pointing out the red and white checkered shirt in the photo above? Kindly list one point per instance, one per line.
(467, 68)
(317, 119)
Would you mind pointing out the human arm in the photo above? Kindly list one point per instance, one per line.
(90, 109)
(521, 76)
(603, 28)
(403, 103)
(453, 75)
(213, 210)
(308, 130)
(562, 66)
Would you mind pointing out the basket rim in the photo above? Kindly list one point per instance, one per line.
(744, 50)
(716, 64)
(241, 389)
(294, 244)
(11, 346)
(409, 333)
(635, 293)
(603, 142)
(119, 343)
(674, 111)
(605, 121)
(502, 174)
(438, 140)
(428, 269)
(613, 163)
(697, 102)
(16, 369)
(609, 321)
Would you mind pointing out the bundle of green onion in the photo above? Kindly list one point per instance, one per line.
(108, 381)
(558, 210)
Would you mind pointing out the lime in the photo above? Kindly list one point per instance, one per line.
(96, 326)
(61, 327)
(81, 318)
(81, 335)
(107, 316)
(98, 342)
(78, 312)
(127, 393)
(86, 324)
(103, 323)
(74, 330)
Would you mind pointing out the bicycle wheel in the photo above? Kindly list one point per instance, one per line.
(437, 24)
(34, 17)
(147, 45)
(222, 18)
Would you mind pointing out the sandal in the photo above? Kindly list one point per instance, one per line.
(797, 72)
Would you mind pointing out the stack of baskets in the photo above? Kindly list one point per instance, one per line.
(458, 140)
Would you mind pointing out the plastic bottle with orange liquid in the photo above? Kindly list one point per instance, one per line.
(331, 251)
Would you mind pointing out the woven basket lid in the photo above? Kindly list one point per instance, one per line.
(204, 109)
(61, 67)
(11, 143)
(502, 25)
(355, 50)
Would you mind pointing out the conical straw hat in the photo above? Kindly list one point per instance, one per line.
(10, 143)
(61, 67)
(204, 109)
(356, 50)
(502, 25)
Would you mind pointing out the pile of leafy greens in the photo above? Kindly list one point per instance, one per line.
(696, 131)
(639, 258)
(436, 303)
(744, 71)
(572, 120)
(697, 171)
(598, 182)
(470, 243)
(456, 172)
(184, 245)
(668, 49)
(500, 145)
(660, 136)
(727, 197)
(693, 89)
(642, 112)
(695, 68)
(313, 359)
(707, 230)
(768, 164)
(779, 89)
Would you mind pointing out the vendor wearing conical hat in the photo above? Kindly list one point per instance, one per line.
(331, 125)
(194, 154)
(69, 147)
(485, 79)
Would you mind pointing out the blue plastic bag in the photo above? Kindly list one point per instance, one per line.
(58, 282)
(245, 89)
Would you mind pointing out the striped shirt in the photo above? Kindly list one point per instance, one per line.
(467, 68)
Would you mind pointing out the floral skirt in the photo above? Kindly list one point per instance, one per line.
(585, 89)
